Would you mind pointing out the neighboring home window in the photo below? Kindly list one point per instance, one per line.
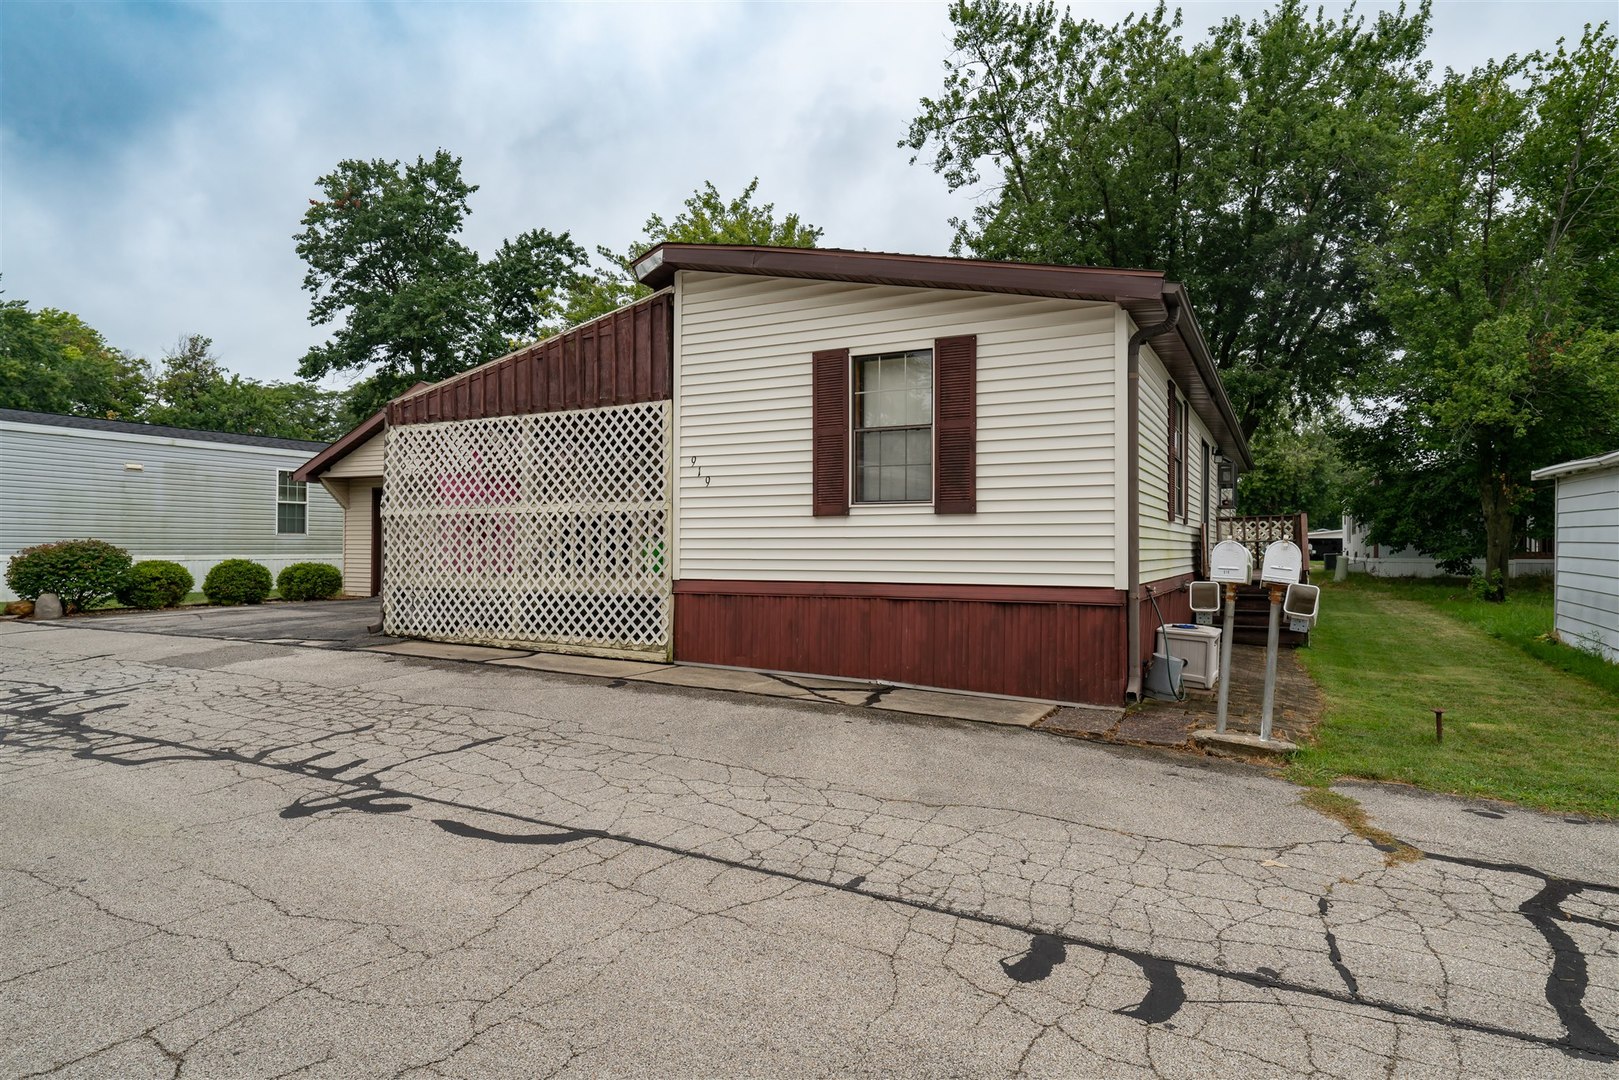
(291, 505)
(893, 427)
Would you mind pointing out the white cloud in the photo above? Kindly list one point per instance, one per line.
(584, 118)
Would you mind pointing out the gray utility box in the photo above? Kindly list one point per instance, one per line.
(1199, 646)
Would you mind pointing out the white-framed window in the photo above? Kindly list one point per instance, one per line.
(291, 505)
(893, 427)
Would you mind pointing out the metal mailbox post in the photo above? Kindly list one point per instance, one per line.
(1280, 573)
(1232, 565)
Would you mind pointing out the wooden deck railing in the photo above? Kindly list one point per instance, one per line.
(1260, 531)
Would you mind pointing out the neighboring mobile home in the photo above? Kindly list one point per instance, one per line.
(193, 497)
(928, 471)
(1366, 557)
(1587, 552)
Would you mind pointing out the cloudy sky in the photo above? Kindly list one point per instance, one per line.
(155, 159)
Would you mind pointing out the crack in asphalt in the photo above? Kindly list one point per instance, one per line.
(39, 707)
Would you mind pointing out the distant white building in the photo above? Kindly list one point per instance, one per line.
(192, 497)
(1587, 552)
(1365, 557)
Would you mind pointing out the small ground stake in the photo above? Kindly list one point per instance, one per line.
(1439, 725)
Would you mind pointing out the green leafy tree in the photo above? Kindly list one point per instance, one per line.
(52, 361)
(706, 217)
(195, 391)
(30, 377)
(412, 301)
(1251, 165)
(1296, 468)
(1498, 279)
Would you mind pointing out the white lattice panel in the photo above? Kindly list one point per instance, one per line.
(548, 529)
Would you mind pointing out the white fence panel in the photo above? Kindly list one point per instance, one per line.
(548, 529)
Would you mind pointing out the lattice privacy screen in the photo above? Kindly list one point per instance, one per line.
(550, 528)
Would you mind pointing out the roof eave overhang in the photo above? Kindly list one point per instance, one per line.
(1142, 293)
(342, 448)
(1574, 468)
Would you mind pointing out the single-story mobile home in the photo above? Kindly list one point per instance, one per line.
(1587, 552)
(192, 497)
(1380, 560)
(928, 471)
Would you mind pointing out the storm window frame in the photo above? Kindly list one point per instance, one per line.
(291, 494)
(860, 395)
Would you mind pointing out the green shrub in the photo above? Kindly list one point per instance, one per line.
(237, 581)
(309, 581)
(155, 583)
(82, 572)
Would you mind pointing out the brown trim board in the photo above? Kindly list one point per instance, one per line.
(998, 594)
(340, 449)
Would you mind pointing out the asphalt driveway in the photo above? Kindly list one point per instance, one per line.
(225, 854)
(325, 622)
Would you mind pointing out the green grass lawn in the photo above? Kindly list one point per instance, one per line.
(1526, 719)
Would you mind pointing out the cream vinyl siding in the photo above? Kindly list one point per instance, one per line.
(363, 460)
(1046, 422)
(1166, 546)
(352, 479)
(1588, 561)
(193, 502)
(357, 537)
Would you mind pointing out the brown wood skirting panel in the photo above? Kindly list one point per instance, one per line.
(1066, 650)
(619, 359)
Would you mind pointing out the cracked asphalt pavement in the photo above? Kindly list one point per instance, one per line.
(226, 858)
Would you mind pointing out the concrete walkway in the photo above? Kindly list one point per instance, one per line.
(871, 695)
(347, 625)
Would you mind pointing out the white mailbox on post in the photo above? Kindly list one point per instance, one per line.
(1283, 565)
(1301, 605)
(1231, 563)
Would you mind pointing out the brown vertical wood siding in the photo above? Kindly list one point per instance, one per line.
(1065, 644)
(619, 359)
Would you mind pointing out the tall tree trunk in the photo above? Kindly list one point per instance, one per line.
(1498, 523)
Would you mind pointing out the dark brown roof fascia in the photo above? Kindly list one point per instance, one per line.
(1192, 335)
(340, 449)
(1135, 290)
(914, 271)
(350, 442)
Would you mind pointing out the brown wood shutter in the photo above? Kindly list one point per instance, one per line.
(830, 433)
(1173, 479)
(955, 428)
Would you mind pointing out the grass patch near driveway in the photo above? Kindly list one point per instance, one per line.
(1524, 621)
(1387, 654)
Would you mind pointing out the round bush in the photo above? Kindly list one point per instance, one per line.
(155, 583)
(309, 581)
(82, 572)
(237, 581)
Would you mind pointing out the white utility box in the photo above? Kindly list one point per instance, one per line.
(1231, 562)
(1284, 564)
(1199, 646)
